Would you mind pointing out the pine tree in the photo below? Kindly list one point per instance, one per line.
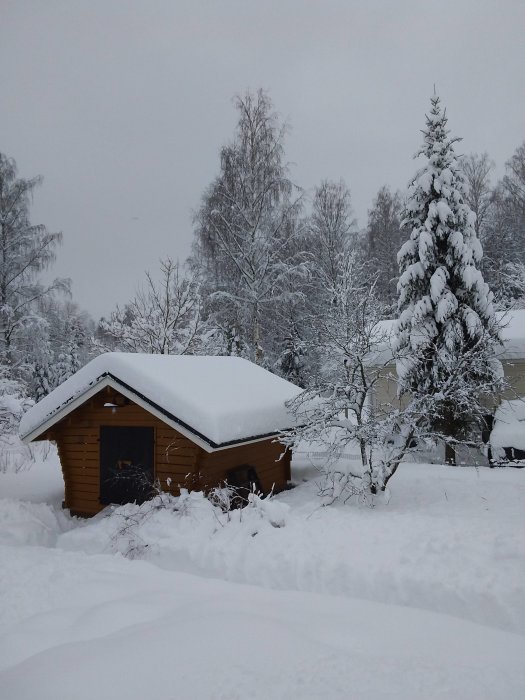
(292, 361)
(446, 334)
(71, 355)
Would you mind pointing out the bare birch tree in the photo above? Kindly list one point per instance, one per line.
(164, 317)
(26, 250)
(244, 228)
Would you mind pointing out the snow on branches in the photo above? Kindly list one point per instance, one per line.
(163, 318)
(446, 313)
(337, 412)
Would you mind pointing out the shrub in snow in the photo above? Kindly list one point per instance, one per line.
(446, 335)
(335, 412)
(13, 403)
(132, 529)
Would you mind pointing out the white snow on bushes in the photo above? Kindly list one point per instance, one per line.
(30, 523)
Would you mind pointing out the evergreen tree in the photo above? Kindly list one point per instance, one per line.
(446, 334)
(292, 361)
(39, 369)
(72, 354)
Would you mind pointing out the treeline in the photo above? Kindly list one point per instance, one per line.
(270, 265)
(273, 274)
(44, 336)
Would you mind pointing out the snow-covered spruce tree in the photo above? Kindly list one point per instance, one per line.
(73, 351)
(292, 361)
(446, 334)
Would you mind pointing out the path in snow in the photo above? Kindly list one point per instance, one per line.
(99, 626)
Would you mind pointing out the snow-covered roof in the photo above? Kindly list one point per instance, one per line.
(512, 335)
(216, 401)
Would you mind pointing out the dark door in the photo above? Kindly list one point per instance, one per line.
(126, 464)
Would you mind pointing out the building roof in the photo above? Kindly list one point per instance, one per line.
(215, 401)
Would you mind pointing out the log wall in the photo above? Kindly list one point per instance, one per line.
(178, 462)
(273, 468)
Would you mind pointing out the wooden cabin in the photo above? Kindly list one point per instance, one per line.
(126, 422)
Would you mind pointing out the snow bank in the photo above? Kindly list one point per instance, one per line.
(37, 479)
(30, 503)
(94, 626)
(222, 398)
(509, 425)
(30, 523)
(513, 333)
(450, 541)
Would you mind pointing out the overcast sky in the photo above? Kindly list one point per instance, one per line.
(123, 105)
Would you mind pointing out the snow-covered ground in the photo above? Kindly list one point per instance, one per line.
(420, 598)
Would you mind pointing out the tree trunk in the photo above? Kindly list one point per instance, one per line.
(257, 338)
(450, 454)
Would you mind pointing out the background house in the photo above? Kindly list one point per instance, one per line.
(512, 356)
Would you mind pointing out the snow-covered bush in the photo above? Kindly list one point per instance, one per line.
(14, 455)
(337, 412)
(133, 529)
